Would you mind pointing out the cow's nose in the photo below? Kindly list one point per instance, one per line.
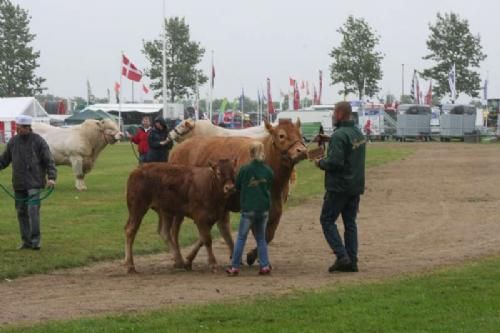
(228, 188)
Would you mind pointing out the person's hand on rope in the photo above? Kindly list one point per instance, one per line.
(51, 183)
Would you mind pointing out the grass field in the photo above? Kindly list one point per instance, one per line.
(463, 299)
(80, 228)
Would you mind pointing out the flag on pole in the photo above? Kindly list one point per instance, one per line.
(117, 92)
(129, 70)
(270, 106)
(307, 88)
(90, 96)
(242, 99)
(428, 97)
(320, 86)
(223, 105)
(485, 90)
(302, 85)
(296, 97)
(145, 89)
(452, 81)
(212, 82)
(413, 90)
(292, 82)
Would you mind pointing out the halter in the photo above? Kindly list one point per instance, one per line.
(284, 152)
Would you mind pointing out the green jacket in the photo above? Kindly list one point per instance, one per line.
(254, 182)
(344, 164)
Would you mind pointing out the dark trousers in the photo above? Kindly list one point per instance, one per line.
(335, 204)
(28, 216)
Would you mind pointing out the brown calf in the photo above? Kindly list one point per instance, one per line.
(175, 191)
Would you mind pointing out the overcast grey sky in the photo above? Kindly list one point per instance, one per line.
(251, 40)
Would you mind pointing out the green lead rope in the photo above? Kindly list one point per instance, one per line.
(44, 194)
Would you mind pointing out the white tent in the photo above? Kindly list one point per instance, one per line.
(11, 107)
(175, 109)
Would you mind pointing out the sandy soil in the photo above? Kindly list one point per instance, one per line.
(438, 207)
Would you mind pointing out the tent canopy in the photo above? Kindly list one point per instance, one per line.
(80, 117)
(11, 107)
(125, 108)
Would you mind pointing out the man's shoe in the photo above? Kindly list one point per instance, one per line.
(343, 264)
(36, 248)
(24, 247)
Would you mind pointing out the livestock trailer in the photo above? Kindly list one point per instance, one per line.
(457, 121)
(413, 121)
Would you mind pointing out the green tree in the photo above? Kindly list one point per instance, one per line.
(182, 56)
(18, 60)
(451, 42)
(356, 63)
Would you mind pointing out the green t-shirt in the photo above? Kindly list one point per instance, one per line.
(254, 182)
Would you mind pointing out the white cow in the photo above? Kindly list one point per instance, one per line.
(79, 146)
(188, 128)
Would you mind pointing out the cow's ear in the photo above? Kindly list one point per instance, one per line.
(297, 123)
(269, 127)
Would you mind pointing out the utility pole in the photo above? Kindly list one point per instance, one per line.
(402, 81)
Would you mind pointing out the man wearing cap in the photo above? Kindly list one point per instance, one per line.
(32, 165)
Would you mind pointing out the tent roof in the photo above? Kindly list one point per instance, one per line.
(143, 108)
(80, 117)
(11, 107)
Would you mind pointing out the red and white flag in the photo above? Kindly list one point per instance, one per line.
(129, 70)
(292, 83)
(428, 97)
(117, 87)
(145, 89)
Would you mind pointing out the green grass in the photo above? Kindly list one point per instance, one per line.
(80, 228)
(463, 299)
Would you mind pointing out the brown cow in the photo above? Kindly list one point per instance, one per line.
(177, 191)
(283, 148)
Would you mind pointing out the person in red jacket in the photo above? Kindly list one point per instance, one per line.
(141, 139)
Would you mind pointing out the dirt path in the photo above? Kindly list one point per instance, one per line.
(440, 206)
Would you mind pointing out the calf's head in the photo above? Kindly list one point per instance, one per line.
(225, 175)
(287, 139)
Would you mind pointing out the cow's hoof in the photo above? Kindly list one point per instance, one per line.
(131, 270)
(188, 266)
(215, 269)
(251, 257)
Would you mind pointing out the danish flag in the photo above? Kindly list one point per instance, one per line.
(129, 70)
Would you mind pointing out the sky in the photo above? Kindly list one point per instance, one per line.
(251, 40)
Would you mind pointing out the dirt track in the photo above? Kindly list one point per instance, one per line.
(438, 207)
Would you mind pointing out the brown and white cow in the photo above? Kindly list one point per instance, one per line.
(177, 191)
(283, 149)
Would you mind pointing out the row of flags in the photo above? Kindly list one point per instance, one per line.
(305, 86)
(417, 94)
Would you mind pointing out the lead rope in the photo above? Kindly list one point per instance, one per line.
(29, 200)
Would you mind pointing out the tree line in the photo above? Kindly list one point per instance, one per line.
(355, 64)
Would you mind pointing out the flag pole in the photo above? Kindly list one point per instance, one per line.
(211, 86)
(164, 64)
(119, 95)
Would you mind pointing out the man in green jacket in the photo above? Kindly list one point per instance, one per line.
(33, 168)
(344, 168)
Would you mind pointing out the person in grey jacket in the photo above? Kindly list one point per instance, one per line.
(32, 163)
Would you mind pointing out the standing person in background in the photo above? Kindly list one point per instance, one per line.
(368, 130)
(159, 146)
(254, 182)
(141, 139)
(32, 164)
(344, 168)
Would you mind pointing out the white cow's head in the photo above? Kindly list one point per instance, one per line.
(178, 134)
(110, 131)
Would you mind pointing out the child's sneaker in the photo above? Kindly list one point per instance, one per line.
(231, 271)
(265, 270)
